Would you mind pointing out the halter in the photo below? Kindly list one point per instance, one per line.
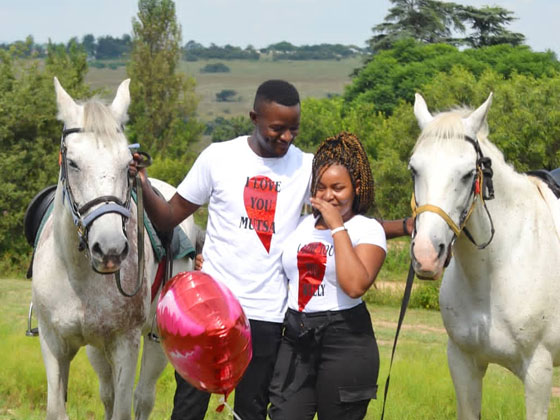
(82, 219)
(109, 204)
(482, 188)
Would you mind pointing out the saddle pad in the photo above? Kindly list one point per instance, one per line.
(181, 246)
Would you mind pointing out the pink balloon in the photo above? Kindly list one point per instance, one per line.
(204, 332)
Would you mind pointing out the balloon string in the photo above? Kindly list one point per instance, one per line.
(223, 401)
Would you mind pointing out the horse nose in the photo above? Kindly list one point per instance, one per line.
(427, 257)
(111, 255)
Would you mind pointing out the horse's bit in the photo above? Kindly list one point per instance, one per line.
(482, 188)
(109, 204)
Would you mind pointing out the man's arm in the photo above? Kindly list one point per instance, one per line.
(396, 228)
(165, 215)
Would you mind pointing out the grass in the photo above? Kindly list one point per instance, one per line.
(420, 388)
(314, 78)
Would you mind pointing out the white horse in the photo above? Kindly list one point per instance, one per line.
(90, 235)
(500, 301)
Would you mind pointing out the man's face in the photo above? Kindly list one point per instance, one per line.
(276, 127)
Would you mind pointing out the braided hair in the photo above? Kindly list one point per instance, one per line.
(345, 149)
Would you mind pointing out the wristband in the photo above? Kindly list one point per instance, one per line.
(405, 230)
(338, 229)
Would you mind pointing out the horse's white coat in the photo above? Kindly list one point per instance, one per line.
(500, 304)
(77, 307)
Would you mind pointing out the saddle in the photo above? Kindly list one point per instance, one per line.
(550, 178)
(41, 206)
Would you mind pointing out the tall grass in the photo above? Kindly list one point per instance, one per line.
(421, 386)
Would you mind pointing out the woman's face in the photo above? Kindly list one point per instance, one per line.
(335, 187)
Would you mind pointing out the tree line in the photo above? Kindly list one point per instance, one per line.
(115, 48)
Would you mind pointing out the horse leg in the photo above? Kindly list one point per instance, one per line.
(467, 377)
(57, 356)
(153, 364)
(105, 374)
(123, 353)
(537, 378)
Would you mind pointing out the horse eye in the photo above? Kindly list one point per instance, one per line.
(73, 165)
(412, 171)
(468, 177)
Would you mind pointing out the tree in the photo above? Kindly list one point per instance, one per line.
(222, 129)
(88, 41)
(396, 74)
(488, 26)
(433, 21)
(428, 21)
(163, 101)
(29, 136)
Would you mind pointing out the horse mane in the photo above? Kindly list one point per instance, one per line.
(99, 120)
(447, 126)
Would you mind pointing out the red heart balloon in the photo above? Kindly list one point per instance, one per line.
(311, 261)
(259, 196)
(204, 332)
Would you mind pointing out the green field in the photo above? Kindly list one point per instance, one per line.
(420, 383)
(316, 78)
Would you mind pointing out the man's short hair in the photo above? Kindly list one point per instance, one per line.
(278, 91)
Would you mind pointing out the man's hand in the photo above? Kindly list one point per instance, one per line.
(138, 166)
(198, 260)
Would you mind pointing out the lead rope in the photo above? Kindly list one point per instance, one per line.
(404, 305)
(140, 241)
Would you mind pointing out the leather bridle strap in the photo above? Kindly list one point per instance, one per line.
(434, 209)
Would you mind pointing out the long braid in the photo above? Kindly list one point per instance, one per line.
(345, 149)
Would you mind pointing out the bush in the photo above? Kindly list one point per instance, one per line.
(226, 95)
(215, 68)
(426, 295)
(97, 64)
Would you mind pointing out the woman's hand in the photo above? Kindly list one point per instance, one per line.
(330, 214)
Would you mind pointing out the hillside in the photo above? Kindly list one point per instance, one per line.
(313, 78)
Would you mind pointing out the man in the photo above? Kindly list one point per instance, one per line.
(255, 187)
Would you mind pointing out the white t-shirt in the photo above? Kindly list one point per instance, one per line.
(309, 263)
(254, 203)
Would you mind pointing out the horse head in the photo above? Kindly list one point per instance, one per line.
(94, 160)
(446, 166)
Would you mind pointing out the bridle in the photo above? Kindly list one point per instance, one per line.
(482, 189)
(83, 217)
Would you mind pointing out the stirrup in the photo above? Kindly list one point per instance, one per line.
(31, 332)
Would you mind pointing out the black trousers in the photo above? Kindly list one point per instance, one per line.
(251, 394)
(327, 364)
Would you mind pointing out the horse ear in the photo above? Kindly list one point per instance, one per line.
(474, 122)
(68, 110)
(421, 111)
(121, 102)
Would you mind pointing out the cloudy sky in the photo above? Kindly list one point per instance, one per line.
(244, 22)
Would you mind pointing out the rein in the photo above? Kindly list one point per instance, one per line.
(482, 189)
(109, 204)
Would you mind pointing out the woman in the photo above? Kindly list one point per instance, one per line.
(328, 361)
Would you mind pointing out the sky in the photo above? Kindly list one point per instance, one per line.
(249, 22)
